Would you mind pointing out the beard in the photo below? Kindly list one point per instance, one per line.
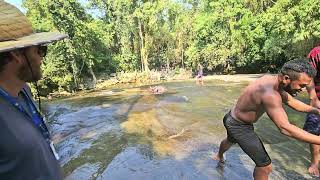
(292, 92)
(27, 75)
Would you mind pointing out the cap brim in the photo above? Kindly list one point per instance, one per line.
(31, 40)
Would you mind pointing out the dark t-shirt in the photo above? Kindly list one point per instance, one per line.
(24, 152)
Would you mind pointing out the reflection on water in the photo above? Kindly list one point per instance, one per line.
(129, 133)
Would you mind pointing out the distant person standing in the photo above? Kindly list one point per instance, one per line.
(200, 74)
(26, 149)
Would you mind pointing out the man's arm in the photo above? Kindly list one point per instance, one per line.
(314, 101)
(273, 105)
(298, 105)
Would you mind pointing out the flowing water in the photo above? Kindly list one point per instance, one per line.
(127, 133)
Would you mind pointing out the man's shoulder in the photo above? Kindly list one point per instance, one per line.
(271, 96)
(264, 80)
(264, 85)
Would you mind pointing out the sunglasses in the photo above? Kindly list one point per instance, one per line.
(42, 51)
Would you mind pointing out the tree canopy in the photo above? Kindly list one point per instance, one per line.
(108, 36)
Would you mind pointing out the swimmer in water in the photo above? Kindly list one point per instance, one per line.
(157, 89)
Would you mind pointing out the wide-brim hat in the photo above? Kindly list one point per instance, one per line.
(16, 31)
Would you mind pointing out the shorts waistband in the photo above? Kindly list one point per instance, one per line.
(237, 120)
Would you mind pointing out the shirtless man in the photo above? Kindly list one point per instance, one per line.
(267, 94)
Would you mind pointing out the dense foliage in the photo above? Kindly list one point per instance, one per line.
(108, 36)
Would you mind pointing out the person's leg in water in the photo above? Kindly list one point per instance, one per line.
(312, 125)
(201, 80)
(259, 173)
(254, 148)
(243, 134)
(313, 169)
(226, 143)
(197, 80)
(224, 146)
(262, 173)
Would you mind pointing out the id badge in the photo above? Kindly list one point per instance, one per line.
(53, 149)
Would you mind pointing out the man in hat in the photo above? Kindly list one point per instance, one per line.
(26, 149)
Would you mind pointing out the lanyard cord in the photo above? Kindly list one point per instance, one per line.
(35, 116)
(36, 84)
(42, 125)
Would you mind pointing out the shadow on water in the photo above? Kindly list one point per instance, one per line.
(132, 134)
(109, 144)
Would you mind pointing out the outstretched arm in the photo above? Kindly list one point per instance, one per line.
(314, 101)
(273, 105)
(298, 105)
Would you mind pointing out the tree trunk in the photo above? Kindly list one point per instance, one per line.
(180, 48)
(144, 56)
(74, 73)
(168, 65)
(94, 78)
(182, 58)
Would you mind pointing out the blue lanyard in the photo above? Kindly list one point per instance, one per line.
(35, 115)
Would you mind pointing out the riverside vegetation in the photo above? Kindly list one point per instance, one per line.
(134, 40)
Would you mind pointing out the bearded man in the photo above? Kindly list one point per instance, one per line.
(26, 148)
(267, 94)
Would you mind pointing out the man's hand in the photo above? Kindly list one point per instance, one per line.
(314, 101)
(298, 105)
(315, 111)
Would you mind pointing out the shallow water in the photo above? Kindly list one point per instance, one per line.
(130, 134)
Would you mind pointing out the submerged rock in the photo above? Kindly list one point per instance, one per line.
(176, 99)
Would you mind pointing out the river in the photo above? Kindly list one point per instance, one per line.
(128, 133)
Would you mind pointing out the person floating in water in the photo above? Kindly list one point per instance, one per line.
(157, 89)
(200, 74)
(267, 94)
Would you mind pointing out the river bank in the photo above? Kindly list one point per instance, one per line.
(234, 77)
(105, 84)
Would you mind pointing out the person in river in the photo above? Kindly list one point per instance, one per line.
(200, 74)
(312, 122)
(267, 94)
(27, 150)
(157, 89)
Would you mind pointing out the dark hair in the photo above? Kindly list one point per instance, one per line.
(294, 67)
(4, 59)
